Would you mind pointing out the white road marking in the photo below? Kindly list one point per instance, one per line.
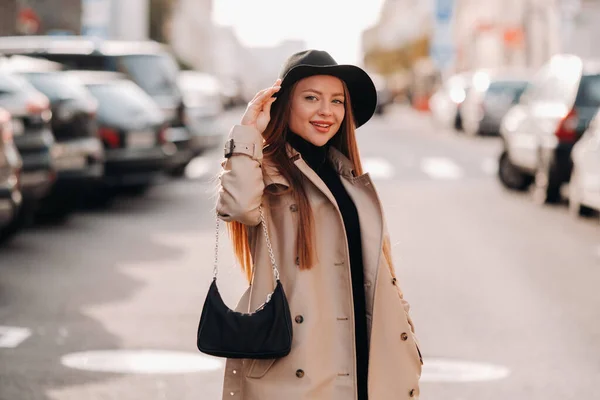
(378, 168)
(199, 167)
(441, 168)
(444, 370)
(489, 166)
(12, 336)
(141, 361)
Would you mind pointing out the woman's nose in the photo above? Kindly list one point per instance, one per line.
(325, 109)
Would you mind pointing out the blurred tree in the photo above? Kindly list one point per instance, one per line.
(68, 19)
(8, 17)
(161, 12)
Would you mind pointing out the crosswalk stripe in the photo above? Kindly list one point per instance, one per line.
(441, 168)
(378, 168)
(12, 336)
(200, 167)
(438, 168)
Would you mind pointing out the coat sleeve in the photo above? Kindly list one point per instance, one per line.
(241, 182)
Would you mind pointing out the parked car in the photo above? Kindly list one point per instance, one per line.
(31, 114)
(540, 131)
(490, 99)
(203, 107)
(10, 172)
(446, 101)
(149, 64)
(78, 153)
(232, 92)
(584, 186)
(132, 129)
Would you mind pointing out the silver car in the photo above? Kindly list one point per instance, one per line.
(10, 175)
(490, 98)
(584, 186)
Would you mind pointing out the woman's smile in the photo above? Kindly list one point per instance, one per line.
(322, 126)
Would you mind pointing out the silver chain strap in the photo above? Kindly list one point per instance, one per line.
(267, 239)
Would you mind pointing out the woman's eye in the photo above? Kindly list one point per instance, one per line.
(311, 98)
(338, 101)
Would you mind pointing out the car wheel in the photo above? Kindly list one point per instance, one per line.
(21, 219)
(98, 197)
(56, 208)
(136, 190)
(178, 171)
(575, 194)
(510, 176)
(546, 189)
(458, 125)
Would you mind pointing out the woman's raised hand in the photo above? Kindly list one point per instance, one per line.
(258, 112)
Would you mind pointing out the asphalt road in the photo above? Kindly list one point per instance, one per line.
(504, 292)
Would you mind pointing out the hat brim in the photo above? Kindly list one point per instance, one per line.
(363, 94)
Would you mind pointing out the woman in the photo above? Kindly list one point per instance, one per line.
(296, 154)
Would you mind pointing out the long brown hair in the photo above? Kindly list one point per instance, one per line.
(275, 153)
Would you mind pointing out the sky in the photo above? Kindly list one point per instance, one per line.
(331, 25)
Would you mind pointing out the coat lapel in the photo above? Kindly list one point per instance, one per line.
(316, 180)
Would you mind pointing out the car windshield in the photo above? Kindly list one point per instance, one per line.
(509, 89)
(57, 86)
(122, 100)
(156, 74)
(589, 91)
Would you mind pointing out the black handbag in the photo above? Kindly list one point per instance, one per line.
(264, 334)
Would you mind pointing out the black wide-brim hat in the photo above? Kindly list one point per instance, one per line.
(363, 95)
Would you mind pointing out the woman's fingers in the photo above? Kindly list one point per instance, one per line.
(267, 106)
(262, 93)
(264, 96)
(257, 95)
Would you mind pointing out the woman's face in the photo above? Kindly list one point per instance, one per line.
(317, 108)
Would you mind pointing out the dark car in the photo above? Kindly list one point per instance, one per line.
(31, 114)
(10, 170)
(149, 64)
(540, 131)
(487, 102)
(78, 153)
(132, 130)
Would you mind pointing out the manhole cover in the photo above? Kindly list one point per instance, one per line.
(440, 370)
(141, 361)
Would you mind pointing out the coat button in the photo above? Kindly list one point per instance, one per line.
(393, 281)
(404, 336)
(294, 208)
(299, 319)
(411, 393)
(300, 373)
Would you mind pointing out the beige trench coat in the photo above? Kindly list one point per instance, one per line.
(321, 364)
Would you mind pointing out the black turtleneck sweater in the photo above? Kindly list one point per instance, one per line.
(316, 158)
